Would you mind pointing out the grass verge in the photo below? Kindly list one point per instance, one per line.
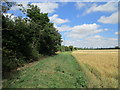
(59, 71)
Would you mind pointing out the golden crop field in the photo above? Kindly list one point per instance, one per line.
(99, 66)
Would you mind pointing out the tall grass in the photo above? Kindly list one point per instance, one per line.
(100, 67)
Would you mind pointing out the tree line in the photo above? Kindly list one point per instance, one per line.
(27, 39)
(71, 48)
(67, 48)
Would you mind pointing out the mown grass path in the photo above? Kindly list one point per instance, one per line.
(59, 71)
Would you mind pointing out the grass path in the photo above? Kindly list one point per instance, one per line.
(59, 71)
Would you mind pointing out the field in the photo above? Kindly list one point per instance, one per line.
(59, 71)
(99, 66)
(77, 69)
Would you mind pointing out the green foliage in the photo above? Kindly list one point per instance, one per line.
(7, 5)
(66, 48)
(27, 39)
(71, 48)
(10, 60)
(62, 48)
(51, 40)
(117, 47)
(75, 48)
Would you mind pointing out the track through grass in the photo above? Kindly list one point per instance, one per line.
(59, 71)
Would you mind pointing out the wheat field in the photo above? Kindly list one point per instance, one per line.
(99, 66)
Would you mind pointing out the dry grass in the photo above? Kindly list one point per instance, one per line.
(100, 66)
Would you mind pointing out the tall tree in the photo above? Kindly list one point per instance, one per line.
(25, 39)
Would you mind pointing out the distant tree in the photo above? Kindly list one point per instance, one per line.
(75, 48)
(67, 48)
(62, 48)
(116, 47)
(71, 48)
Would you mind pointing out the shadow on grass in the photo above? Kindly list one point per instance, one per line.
(11, 74)
(15, 72)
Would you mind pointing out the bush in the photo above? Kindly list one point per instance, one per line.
(11, 63)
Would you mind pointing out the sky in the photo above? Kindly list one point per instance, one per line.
(81, 24)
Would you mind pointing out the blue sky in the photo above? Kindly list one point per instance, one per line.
(81, 24)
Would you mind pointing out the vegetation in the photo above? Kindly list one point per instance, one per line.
(67, 48)
(72, 48)
(27, 39)
(6, 5)
(59, 71)
(100, 67)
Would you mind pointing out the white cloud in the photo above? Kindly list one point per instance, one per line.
(113, 19)
(79, 5)
(98, 37)
(94, 41)
(99, 41)
(65, 0)
(15, 7)
(64, 28)
(47, 7)
(85, 27)
(83, 31)
(57, 20)
(9, 15)
(108, 7)
(82, 36)
(116, 33)
(80, 31)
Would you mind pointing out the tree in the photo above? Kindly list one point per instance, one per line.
(7, 5)
(116, 47)
(46, 37)
(76, 48)
(71, 48)
(26, 39)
